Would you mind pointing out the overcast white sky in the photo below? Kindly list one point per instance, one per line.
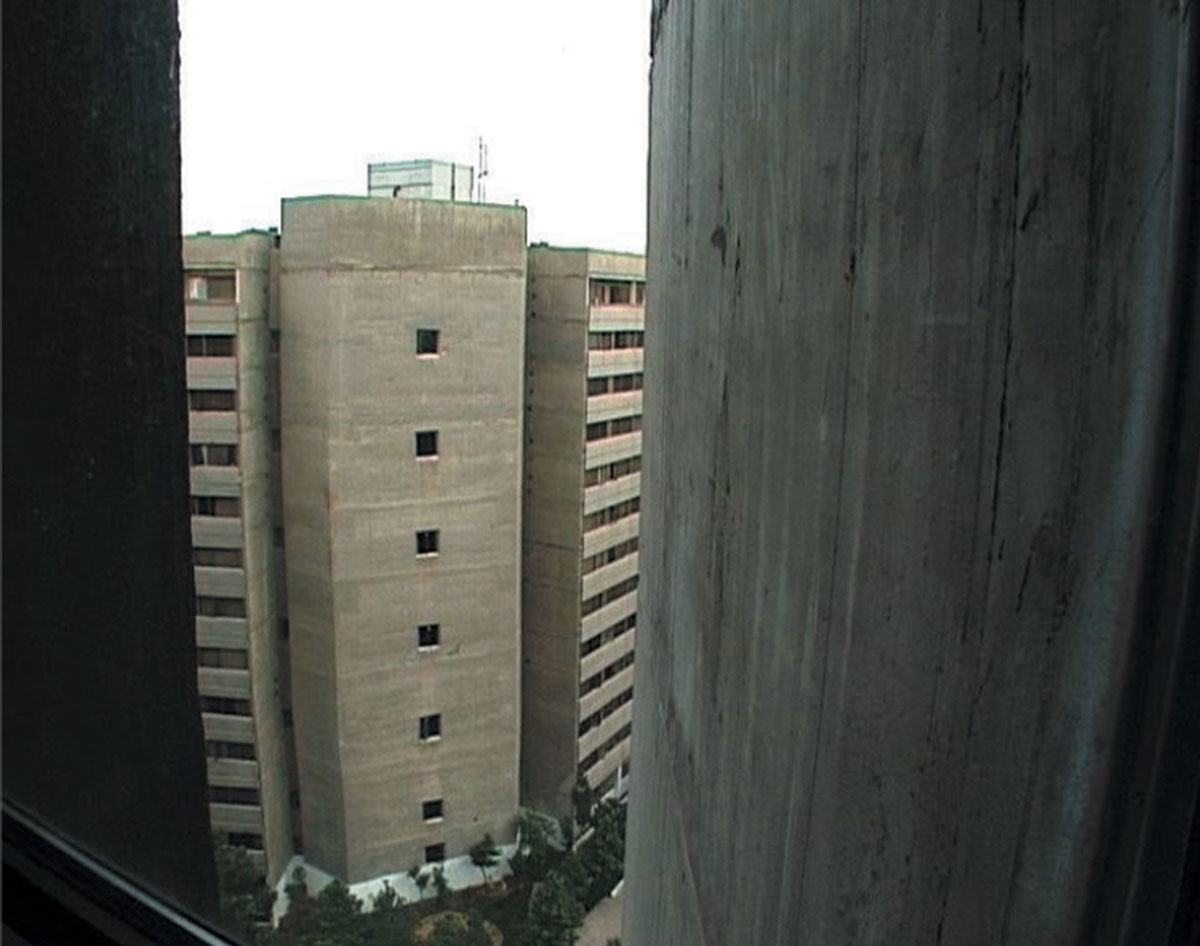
(283, 99)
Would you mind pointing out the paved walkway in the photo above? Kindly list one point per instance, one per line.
(602, 924)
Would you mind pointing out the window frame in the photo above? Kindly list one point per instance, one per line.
(424, 336)
(427, 434)
(439, 847)
(426, 536)
(437, 636)
(429, 727)
(440, 814)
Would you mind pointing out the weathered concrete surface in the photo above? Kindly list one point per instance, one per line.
(102, 733)
(359, 277)
(908, 334)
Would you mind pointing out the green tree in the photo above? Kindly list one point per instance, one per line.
(454, 929)
(485, 854)
(583, 798)
(535, 853)
(298, 925)
(387, 924)
(386, 899)
(338, 917)
(566, 827)
(603, 854)
(440, 885)
(555, 916)
(245, 900)
(576, 877)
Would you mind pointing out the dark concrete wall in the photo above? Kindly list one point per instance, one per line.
(102, 733)
(912, 350)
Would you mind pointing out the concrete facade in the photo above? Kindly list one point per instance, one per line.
(236, 531)
(580, 530)
(363, 281)
(909, 365)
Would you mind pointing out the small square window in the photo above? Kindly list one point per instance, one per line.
(430, 727)
(427, 542)
(427, 443)
(435, 853)
(431, 809)
(427, 341)
(429, 635)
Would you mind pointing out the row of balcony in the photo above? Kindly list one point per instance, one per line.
(603, 362)
(614, 650)
(607, 536)
(608, 690)
(608, 494)
(598, 735)
(609, 575)
(612, 449)
(607, 616)
(617, 318)
(612, 406)
(219, 681)
(212, 373)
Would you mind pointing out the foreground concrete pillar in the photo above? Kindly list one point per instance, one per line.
(919, 475)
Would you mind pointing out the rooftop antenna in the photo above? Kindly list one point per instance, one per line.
(483, 170)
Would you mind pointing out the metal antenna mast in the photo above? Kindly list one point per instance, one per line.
(483, 171)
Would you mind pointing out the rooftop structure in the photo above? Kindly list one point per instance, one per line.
(422, 179)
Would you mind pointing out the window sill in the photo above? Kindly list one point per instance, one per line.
(429, 356)
(438, 820)
(428, 648)
(430, 739)
(429, 459)
(428, 554)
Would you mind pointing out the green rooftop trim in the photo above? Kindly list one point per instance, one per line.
(586, 249)
(412, 200)
(313, 198)
(209, 235)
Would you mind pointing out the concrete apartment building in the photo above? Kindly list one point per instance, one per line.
(240, 608)
(357, 396)
(402, 338)
(582, 485)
